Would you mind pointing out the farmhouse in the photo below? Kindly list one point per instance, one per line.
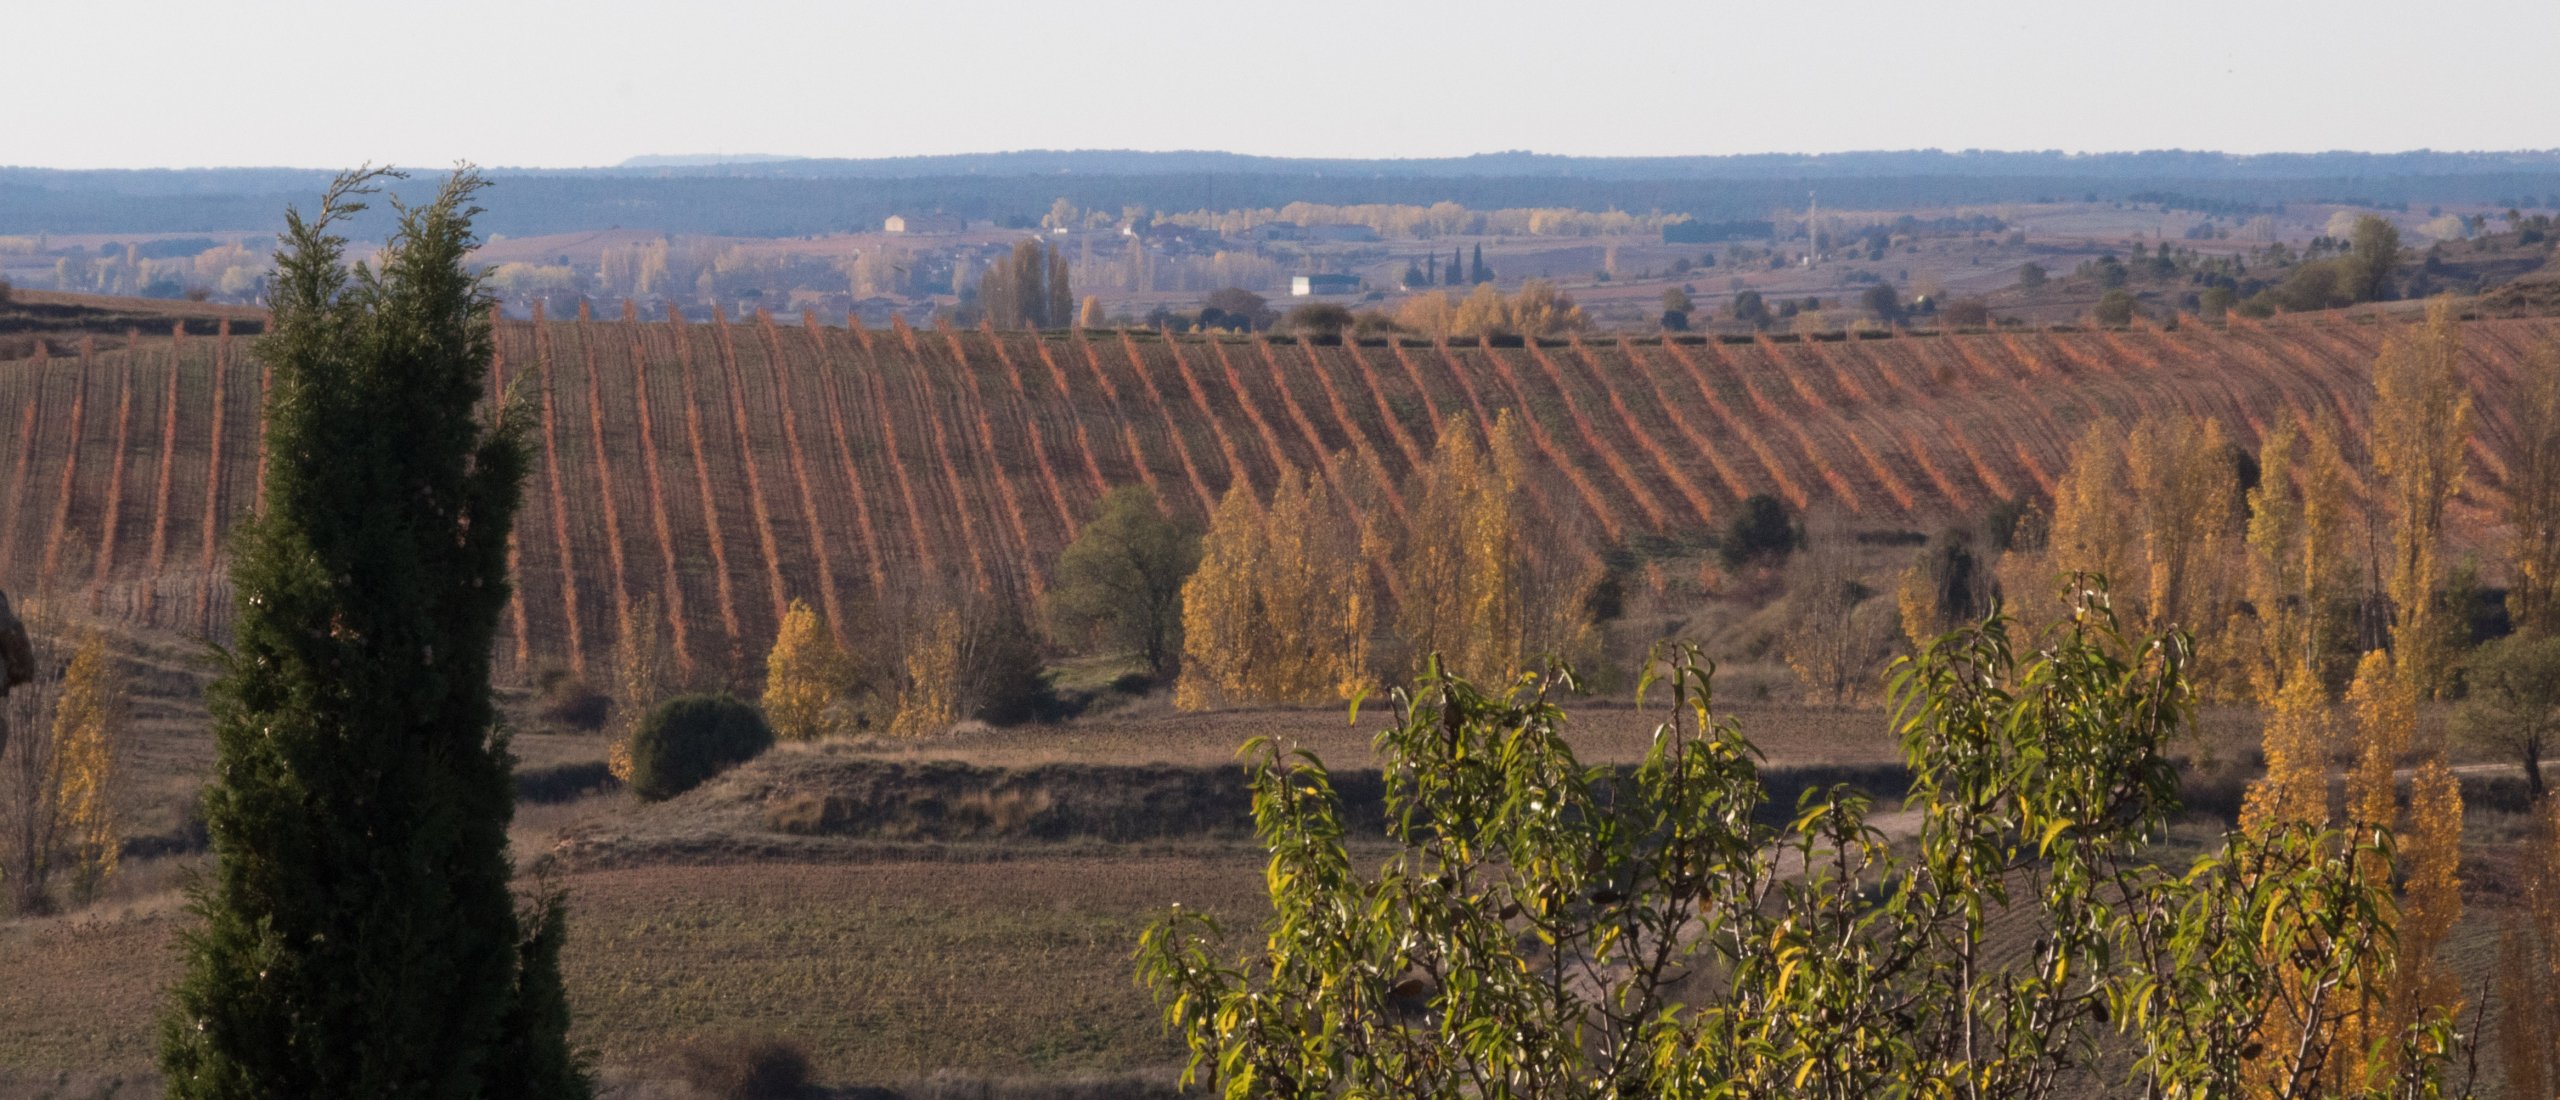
(1316, 285)
(923, 223)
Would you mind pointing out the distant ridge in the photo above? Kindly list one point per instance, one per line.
(701, 160)
(2172, 163)
(737, 195)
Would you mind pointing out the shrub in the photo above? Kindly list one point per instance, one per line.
(2116, 307)
(745, 1067)
(1759, 530)
(1013, 687)
(691, 738)
(571, 703)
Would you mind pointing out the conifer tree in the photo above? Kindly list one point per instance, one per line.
(359, 936)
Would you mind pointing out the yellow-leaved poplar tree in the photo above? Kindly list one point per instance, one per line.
(1540, 309)
(1219, 604)
(2091, 521)
(929, 689)
(2527, 989)
(1484, 312)
(2533, 497)
(1279, 610)
(2430, 860)
(2182, 488)
(1316, 604)
(2385, 712)
(1431, 314)
(2296, 564)
(805, 676)
(2384, 699)
(2421, 428)
(1460, 555)
(2299, 739)
(88, 723)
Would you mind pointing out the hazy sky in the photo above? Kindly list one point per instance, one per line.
(328, 83)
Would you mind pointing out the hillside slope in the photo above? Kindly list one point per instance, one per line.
(728, 467)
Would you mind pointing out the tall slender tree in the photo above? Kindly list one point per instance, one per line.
(2533, 497)
(1028, 289)
(2421, 427)
(359, 935)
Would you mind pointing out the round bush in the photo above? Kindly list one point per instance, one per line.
(691, 738)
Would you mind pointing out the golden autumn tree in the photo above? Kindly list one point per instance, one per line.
(1539, 308)
(1279, 609)
(806, 675)
(2430, 862)
(2384, 702)
(2091, 525)
(2533, 497)
(88, 726)
(1460, 555)
(1219, 603)
(1484, 313)
(1316, 601)
(2296, 564)
(2527, 988)
(1431, 313)
(2385, 715)
(2421, 428)
(931, 669)
(2181, 487)
(2299, 739)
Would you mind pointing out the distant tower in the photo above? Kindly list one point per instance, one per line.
(1812, 229)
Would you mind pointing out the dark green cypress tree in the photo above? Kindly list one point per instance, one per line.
(359, 936)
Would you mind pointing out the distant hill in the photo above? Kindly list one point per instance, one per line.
(700, 160)
(759, 196)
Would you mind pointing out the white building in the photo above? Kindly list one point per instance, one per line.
(1305, 286)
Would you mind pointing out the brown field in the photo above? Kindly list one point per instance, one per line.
(726, 468)
(885, 972)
